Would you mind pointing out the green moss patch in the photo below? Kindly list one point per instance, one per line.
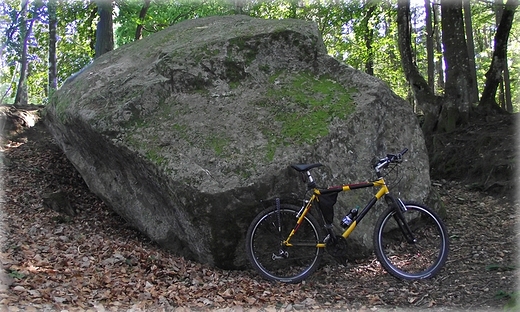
(218, 144)
(305, 105)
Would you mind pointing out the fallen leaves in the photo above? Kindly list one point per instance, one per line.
(95, 262)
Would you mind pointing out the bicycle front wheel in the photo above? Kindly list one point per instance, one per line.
(414, 249)
(273, 260)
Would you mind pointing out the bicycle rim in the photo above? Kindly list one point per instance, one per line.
(411, 260)
(282, 263)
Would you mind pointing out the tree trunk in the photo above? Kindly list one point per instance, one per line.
(368, 34)
(471, 52)
(239, 7)
(499, 9)
(142, 15)
(493, 76)
(105, 28)
(438, 48)
(505, 96)
(507, 89)
(429, 44)
(25, 31)
(53, 84)
(426, 100)
(457, 101)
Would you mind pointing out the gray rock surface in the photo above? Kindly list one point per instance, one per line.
(184, 132)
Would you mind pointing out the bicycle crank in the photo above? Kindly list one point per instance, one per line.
(337, 248)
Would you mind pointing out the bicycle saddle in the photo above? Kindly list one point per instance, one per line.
(305, 167)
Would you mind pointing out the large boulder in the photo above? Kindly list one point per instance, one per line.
(185, 132)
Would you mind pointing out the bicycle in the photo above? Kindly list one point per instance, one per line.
(285, 242)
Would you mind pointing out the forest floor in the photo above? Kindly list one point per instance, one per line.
(96, 262)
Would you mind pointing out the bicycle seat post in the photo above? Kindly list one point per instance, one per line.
(306, 168)
(310, 184)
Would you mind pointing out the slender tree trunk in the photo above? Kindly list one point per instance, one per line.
(429, 44)
(505, 87)
(25, 31)
(438, 48)
(457, 104)
(499, 9)
(471, 52)
(53, 73)
(105, 28)
(369, 37)
(142, 15)
(426, 100)
(239, 7)
(494, 75)
(501, 97)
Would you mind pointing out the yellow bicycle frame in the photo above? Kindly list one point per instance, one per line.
(383, 190)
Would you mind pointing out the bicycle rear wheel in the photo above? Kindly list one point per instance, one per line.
(289, 264)
(422, 258)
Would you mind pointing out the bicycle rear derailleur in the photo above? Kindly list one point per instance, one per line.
(282, 254)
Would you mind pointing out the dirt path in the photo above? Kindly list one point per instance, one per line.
(95, 262)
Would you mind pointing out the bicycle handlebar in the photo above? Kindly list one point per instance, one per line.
(389, 159)
(381, 164)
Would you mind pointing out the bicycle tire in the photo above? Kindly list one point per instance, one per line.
(264, 245)
(411, 261)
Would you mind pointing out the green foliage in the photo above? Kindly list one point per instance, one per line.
(10, 20)
(345, 27)
(161, 14)
(340, 24)
(16, 274)
(483, 17)
(75, 30)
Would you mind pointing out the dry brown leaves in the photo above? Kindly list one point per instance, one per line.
(95, 262)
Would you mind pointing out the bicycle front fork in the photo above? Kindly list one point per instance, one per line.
(400, 208)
